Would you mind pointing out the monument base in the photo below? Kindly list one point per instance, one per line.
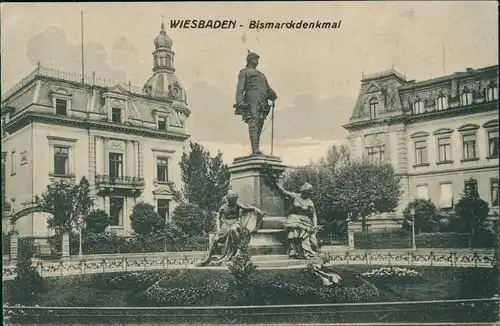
(247, 181)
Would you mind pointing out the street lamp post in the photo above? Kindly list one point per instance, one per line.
(412, 212)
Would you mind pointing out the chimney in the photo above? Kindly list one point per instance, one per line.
(470, 70)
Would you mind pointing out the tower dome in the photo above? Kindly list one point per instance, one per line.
(164, 83)
(163, 40)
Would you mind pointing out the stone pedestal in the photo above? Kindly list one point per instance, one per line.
(14, 245)
(65, 246)
(247, 182)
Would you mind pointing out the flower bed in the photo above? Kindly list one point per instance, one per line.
(393, 275)
(291, 287)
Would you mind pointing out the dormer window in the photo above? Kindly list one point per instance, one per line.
(466, 98)
(61, 107)
(116, 115)
(162, 123)
(491, 93)
(61, 102)
(373, 108)
(418, 107)
(442, 103)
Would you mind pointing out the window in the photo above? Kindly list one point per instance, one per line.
(61, 107)
(115, 165)
(470, 185)
(418, 107)
(169, 61)
(61, 158)
(469, 146)
(494, 192)
(116, 115)
(422, 192)
(373, 108)
(376, 153)
(491, 94)
(163, 208)
(162, 169)
(162, 123)
(13, 163)
(4, 121)
(466, 98)
(420, 152)
(493, 143)
(444, 149)
(446, 193)
(116, 211)
(442, 103)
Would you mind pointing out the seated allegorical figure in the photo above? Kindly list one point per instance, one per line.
(301, 225)
(230, 228)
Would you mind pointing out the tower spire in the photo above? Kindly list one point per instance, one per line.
(162, 24)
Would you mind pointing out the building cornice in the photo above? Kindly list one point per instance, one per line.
(414, 118)
(27, 117)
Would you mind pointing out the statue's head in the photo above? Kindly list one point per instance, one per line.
(252, 59)
(306, 190)
(231, 197)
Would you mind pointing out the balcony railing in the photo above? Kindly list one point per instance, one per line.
(108, 181)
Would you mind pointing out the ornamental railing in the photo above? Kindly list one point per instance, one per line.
(112, 181)
(188, 260)
(88, 80)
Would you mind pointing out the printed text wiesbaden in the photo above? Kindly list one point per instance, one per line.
(254, 24)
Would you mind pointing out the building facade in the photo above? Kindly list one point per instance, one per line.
(441, 135)
(127, 141)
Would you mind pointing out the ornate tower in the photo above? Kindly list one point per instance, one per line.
(164, 84)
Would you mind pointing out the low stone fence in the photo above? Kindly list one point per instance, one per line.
(451, 312)
(133, 262)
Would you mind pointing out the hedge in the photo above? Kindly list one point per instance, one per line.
(398, 239)
(111, 243)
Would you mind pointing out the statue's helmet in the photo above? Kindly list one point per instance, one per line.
(252, 55)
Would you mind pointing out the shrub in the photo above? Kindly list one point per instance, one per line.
(27, 283)
(144, 219)
(426, 216)
(241, 266)
(97, 221)
(192, 220)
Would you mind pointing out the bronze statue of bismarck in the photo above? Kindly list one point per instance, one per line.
(253, 94)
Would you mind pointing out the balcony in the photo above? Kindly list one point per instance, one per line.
(110, 183)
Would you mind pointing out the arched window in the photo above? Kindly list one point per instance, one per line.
(373, 108)
(491, 93)
(418, 107)
(466, 98)
(442, 103)
(169, 61)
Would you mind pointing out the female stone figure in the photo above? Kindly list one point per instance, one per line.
(302, 224)
(229, 229)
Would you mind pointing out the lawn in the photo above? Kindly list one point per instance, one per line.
(286, 286)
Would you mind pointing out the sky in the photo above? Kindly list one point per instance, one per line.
(316, 73)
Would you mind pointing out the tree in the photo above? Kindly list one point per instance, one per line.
(427, 215)
(364, 187)
(144, 219)
(97, 221)
(472, 211)
(70, 203)
(192, 220)
(205, 178)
